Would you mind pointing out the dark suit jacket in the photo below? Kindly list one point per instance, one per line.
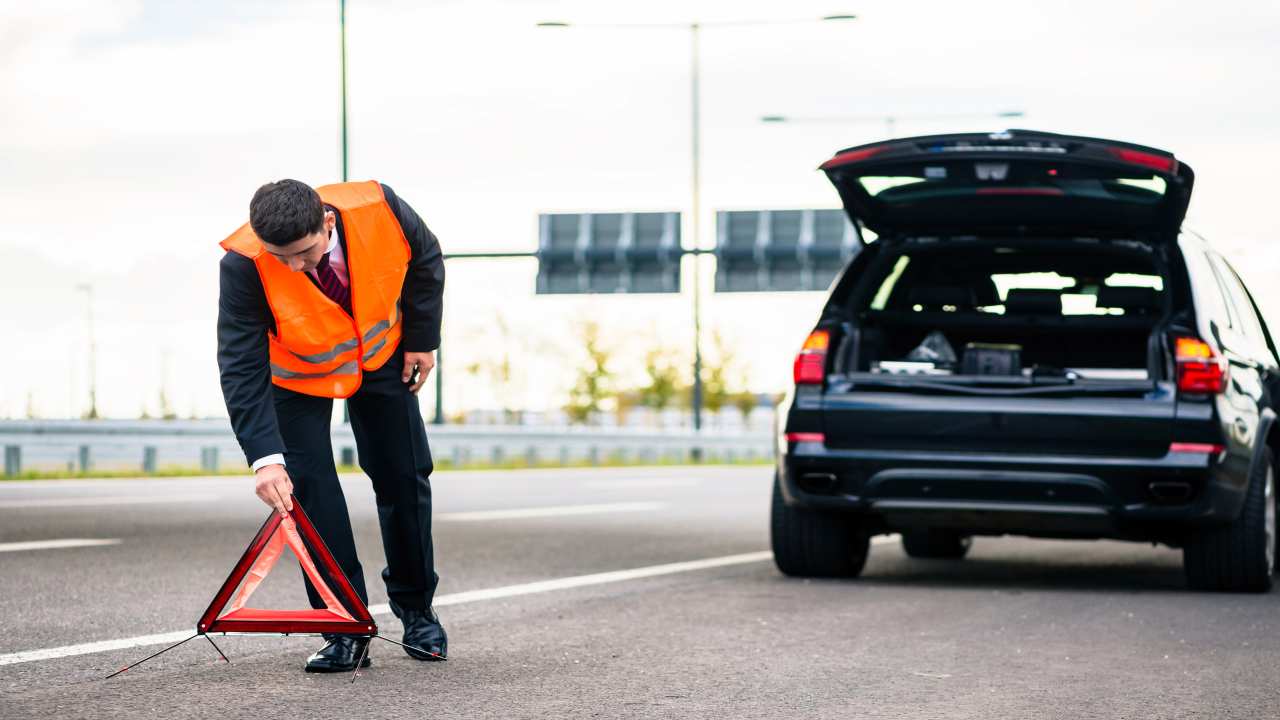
(244, 319)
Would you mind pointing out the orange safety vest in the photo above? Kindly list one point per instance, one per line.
(317, 348)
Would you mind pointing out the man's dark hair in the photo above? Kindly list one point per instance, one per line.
(282, 212)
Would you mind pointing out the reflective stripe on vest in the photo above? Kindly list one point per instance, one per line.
(382, 328)
(348, 345)
(368, 354)
(348, 368)
(382, 325)
(327, 355)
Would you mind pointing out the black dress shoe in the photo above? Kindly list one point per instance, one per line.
(423, 631)
(339, 655)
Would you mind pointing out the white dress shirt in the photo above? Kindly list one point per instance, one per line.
(337, 260)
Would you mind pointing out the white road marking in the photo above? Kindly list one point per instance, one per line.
(641, 483)
(585, 580)
(440, 601)
(94, 647)
(550, 511)
(183, 482)
(60, 543)
(106, 500)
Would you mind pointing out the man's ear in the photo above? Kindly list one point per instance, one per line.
(330, 221)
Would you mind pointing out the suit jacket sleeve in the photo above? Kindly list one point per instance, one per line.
(243, 358)
(422, 297)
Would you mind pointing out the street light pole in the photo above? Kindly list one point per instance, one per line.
(438, 419)
(696, 224)
(342, 34)
(342, 49)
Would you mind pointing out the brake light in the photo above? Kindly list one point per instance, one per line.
(811, 363)
(1163, 163)
(1197, 448)
(851, 156)
(1199, 369)
(806, 437)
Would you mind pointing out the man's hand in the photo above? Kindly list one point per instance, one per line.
(423, 362)
(275, 488)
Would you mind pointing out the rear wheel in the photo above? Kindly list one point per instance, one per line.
(936, 543)
(814, 543)
(1239, 557)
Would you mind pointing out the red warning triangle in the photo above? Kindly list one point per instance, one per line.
(344, 612)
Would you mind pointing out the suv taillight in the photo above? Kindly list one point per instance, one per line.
(1199, 369)
(810, 365)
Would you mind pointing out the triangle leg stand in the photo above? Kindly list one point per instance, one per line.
(411, 647)
(134, 665)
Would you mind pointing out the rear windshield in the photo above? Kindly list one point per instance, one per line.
(994, 279)
(922, 181)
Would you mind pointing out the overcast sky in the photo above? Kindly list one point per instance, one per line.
(134, 132)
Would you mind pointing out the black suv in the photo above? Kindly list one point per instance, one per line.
(1028, 343)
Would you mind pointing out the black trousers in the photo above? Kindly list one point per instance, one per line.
(391, 442)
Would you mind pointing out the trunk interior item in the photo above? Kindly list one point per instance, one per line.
(989, 359)
(903, 367)
(933, 349)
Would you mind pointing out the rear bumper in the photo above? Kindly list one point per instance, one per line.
(1054, 496)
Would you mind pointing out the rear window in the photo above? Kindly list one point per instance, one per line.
(1080, 296)
(915, 182)
(981, 280)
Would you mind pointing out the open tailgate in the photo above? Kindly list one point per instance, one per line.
(1019, 182)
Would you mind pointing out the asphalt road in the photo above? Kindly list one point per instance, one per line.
(542, 623)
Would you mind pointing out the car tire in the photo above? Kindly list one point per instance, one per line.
(814, 543)
(1239, 557)
(936, 543)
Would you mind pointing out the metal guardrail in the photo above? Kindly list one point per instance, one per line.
(148, 445)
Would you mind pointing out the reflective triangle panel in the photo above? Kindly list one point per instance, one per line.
(344, 612)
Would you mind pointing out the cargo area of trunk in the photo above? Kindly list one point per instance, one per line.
(1046, 344)
(1032, 346)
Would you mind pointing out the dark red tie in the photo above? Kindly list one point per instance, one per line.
(331, 286)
